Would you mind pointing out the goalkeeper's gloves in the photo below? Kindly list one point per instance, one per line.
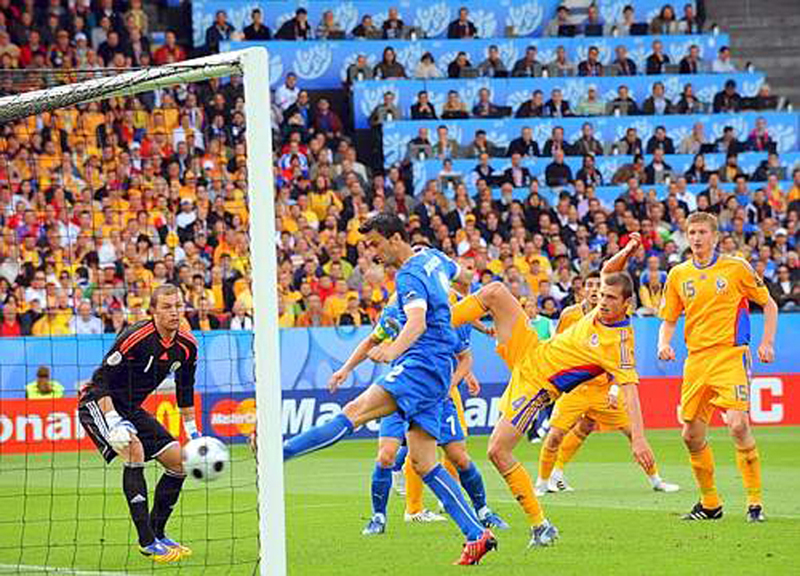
(191, 429)
(119, 431)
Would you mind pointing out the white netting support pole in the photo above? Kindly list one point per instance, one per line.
(261, 193)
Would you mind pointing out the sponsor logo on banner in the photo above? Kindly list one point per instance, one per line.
(229, 417)
(54, 426)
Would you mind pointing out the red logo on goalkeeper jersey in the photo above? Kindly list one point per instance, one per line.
(233, 418)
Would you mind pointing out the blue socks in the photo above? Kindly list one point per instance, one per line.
(318, 437)
(449, 493)
(380, 488)
(400, 459)
(472, 482)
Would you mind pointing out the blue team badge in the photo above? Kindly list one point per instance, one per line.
(594, 341)
(722, 284)
(517, 404)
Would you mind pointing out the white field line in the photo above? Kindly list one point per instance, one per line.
(34, 569)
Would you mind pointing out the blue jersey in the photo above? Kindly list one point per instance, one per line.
(424, 281)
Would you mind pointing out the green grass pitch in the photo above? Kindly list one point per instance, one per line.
(611, 524)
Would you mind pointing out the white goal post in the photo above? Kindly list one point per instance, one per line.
(253, 65)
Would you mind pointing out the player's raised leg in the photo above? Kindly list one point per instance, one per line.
(504, 439)
(494, 299)
(422, 452)
(168, 490)
(373, 403)
(748, 461)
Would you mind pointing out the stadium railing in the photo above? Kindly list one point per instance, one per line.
(322, 65)
(491, 18)
(512, 92)
(782, 126)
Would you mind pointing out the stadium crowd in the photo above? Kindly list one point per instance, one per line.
(101, 203)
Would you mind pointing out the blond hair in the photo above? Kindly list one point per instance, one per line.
(703, 218)
(163, 290)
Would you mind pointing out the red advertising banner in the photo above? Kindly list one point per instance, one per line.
(774, 400)
(52, 425)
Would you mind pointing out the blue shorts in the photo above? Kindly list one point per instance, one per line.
(419, 389)
(394, 426)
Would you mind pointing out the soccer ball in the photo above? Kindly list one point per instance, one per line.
(205, 458)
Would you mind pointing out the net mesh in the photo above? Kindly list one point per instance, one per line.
(104, 197)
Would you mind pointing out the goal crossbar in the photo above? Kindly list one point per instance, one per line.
(19, 106)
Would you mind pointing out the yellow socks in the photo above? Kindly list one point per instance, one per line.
(519, 481)
(547, 459)
(450, 468)
(652, 470)
(749, 464)
(413, 490)
(703, 469)
(569, 447)
(467, 310)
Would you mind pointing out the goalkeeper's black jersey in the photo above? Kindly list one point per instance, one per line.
(139, 361)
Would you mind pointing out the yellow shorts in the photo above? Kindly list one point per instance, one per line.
(522, 338)
(591, 400)
(522, 398)
(718, 377)
(455, 395)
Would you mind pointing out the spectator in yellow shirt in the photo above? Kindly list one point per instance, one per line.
(43, 387)
(336, 303)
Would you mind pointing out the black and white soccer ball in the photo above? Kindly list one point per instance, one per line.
(205, 459)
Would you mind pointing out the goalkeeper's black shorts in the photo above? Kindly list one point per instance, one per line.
(153, 436)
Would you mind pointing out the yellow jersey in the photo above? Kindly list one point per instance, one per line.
(715, 300)
(581, 353)
(570, 316)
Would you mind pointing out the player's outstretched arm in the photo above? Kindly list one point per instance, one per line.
(642, 452)
(665, 333)
(619, 261)
(356, 357)
(414, 327)
(766, 350)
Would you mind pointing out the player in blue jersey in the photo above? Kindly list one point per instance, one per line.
(393, 430)
(419, 381)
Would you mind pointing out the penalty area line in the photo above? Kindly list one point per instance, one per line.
(34, 569)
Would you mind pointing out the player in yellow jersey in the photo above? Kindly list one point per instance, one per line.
(587, 408)
(601, 342)
(713, 291)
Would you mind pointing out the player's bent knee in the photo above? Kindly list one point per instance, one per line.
(500, 456)
(492, 293)
(739, 428)
(134, 452)
(172, 459)
(387, 456)
(554, 438)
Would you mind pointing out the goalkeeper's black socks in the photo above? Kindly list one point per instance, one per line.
(135, 488)
(167, 493)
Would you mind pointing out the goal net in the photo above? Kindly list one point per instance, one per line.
(113, 183)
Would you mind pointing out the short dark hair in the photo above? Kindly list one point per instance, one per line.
(387, 225)
(620, 279)
(592, 274)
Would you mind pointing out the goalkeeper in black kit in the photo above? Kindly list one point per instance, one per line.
(110, 410)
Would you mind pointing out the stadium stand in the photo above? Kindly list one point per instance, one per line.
(100, 204)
